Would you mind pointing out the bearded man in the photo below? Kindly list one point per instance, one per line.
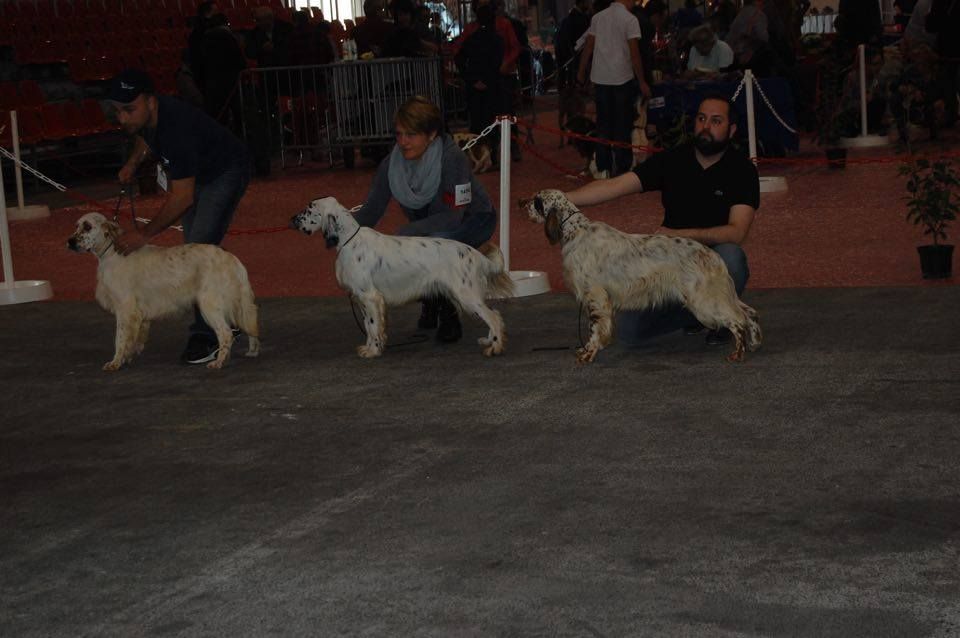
(710, 193)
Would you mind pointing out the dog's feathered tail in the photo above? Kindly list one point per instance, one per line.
(499, 283)
(246, 314)
(753, 335)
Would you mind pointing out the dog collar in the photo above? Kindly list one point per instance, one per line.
(351, 237)
(109, 246)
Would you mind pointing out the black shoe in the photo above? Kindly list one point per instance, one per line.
(719, 337)
(693, 329)
(449, 330)
(200, 349)
(428, 314)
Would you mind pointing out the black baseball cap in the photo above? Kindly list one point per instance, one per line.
(127, 85)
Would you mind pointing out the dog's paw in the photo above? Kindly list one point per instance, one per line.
(215, 364)
(736, 356)
(491, 348)
(369, 352)
(112, 366)
(586, 355)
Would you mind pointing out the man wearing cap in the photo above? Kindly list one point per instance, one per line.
(203, 167)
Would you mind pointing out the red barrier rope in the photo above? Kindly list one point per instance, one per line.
(529, 149)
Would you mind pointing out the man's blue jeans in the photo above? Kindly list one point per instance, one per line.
(616, 111)
(635, 326)
(207, 220)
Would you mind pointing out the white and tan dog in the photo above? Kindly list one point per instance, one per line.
(609, 270)
(156, 281)
(383, 270)
(478, 154)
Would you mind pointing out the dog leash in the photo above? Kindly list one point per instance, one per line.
(116, 211)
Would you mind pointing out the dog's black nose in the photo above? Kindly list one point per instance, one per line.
(72, 243)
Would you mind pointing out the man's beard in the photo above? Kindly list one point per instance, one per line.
(709, 146)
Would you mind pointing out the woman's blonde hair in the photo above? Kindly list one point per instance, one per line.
(420, 115)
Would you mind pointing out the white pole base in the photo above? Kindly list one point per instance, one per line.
(865, 141)
(24, 292)
(34, 211)
(773, 184)
(529, 282)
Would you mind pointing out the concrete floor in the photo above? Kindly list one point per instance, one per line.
(811, 491)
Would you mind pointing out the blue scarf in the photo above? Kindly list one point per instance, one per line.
(414, 183)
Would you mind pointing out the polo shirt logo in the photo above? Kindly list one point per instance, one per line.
(718, 193)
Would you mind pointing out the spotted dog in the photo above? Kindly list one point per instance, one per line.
(156, 281)
(609, 270)
(380, 270)
(478, 154)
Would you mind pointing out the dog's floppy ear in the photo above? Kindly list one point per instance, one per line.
(538, 204)
(111, 230)
(330, 229)
(551, 227)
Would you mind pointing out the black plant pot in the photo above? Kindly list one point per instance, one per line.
(936, 261)
(836, 158)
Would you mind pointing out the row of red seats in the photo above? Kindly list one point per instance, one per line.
(11, 10)
(57, 122)
(52, 52)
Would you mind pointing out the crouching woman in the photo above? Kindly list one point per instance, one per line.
(430, 177)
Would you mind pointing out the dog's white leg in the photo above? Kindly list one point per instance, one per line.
(215, 314)
(250, 323)
(375, 324)
(495, 341)
(715, 305)
(142, 334)
(128, 322)
(601, 324)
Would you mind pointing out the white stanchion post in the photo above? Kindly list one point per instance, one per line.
(13, 291)
(525, 282)
(751, 121)
(767, 184)
(22, 211)
(505, 191)
(864, 140)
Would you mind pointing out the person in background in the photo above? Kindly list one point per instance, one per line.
(371, 34)
(223, 63)
(430, 177)
(478, 61)
(708, 54)
(205, 10)
(612, 52)
(269, 42)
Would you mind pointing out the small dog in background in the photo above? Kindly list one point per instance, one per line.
(479, 154)
(609, 270)
(583, 125)
(383, 270)
(155, 281)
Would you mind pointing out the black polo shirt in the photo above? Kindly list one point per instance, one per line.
(190, 143)
(694, 197)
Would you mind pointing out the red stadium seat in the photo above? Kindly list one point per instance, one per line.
(31, 94)
(53, 123)
(94, 120)
(30, 125)
(8, 96)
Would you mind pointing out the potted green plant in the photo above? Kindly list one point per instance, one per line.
(933, 199)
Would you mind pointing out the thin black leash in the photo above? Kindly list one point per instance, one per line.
(116, 211)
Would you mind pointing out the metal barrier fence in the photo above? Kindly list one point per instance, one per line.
(332, 108)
